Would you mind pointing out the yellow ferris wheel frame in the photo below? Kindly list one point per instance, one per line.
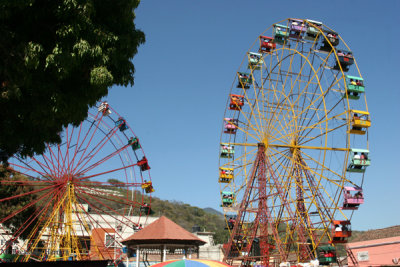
(270, 113)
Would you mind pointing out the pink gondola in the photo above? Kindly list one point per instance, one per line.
(352, 201)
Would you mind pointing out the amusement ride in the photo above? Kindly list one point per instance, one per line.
(294, 147)
(85, 194)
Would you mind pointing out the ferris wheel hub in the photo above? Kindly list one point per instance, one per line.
(294, 146)
(265, 142)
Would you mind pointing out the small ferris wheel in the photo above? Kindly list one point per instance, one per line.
(87, 193)
(294, 146)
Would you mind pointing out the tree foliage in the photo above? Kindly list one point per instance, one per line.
(23, 208)
(115, 182)
(57, 59)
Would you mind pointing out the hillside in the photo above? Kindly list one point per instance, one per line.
(375, 234)
(192, 216)
(211, 220)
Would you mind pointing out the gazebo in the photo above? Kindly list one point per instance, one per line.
(161, 237)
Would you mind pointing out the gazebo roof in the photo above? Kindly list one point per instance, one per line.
(163, 231)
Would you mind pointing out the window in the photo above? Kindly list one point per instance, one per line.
(110, 240)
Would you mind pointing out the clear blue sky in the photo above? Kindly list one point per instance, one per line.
(185, 70)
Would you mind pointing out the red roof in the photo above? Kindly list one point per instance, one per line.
(163, 231)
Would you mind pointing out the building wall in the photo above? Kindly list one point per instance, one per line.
(207, 237)
(209, 250)
(385, 251)
(98, 248)
(211, 253)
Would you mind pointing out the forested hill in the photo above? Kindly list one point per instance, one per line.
(211, 220)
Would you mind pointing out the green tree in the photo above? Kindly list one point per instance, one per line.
(23, 207)
(57, 59)
(115, 182)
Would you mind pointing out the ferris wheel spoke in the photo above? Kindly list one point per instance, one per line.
(69, 145)
(321, 204)
(310, 81)
(315, 171)
(31, 179)
(319, 196)
(39, 211)
(336, 174)
(108, 184)
(242, 158)
(266, 96)
(298, 80)
(53, 159)
(107, 211)
(33, 241)
(285, 201)
(273, 86)
(115, 198)
(321, 134)
(102, 173)
(322, 101)
(242, 129)
(95, 150)
(66, 154)
(29, 169)
(310, 147)
(302, 136)
(305, 109)
(326, 116)
(314, 187)
(279, 102)
(52, 168)
(104, 159)
(303, 199)
(93, 124)
(79, 144)
(281, 165)
(258, 89)
(16, 212)
(320, 70)
(77, 147)
(266, 91)
(312, 103)
(39, 164)
(278, 118)
(257, 130)
(34, 233)
(84, 222)
(45, 168)
(253, 105)
(34, 192)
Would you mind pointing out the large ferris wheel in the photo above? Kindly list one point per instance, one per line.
(80, 198)
(294, 146)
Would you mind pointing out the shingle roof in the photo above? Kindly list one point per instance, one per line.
(163, 231)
